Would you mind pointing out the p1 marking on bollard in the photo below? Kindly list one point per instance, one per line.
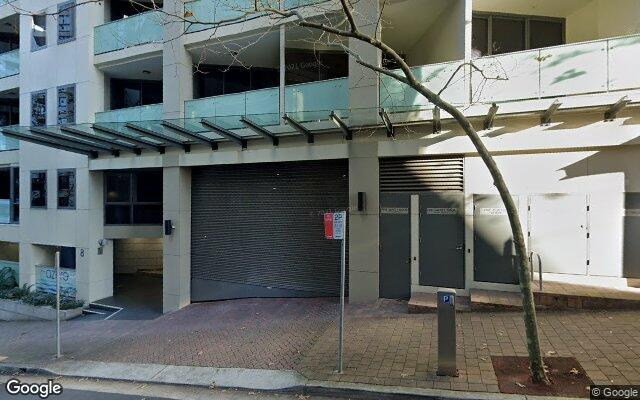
(335, 228)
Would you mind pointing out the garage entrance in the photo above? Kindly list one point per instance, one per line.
(257, 229)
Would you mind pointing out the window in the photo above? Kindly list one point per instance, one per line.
(39, 189)
(133, 197)
(9, 111)
(38, 32)
(303, 65)
(39, 108)
(66, 22)
(67, 104)
(213, 80)
(127, 93)
(67, 188)
(9, 195)
(499, 34)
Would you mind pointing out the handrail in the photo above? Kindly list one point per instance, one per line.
(539, 266)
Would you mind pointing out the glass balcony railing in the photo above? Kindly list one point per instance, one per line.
(7, 143)
(138, 29)
(9, 63)
(289, 4)
(579, 68)
(263, 101)
(316, 98)
(320, 97)
(143, 113)
(206, 14)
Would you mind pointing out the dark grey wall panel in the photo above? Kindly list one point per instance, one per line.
(494, 255)
(631, 249)
(395, 245)
(261, 226)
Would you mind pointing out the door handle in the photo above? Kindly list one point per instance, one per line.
(459, 247)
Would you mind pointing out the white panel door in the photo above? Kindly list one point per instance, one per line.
(558, 228)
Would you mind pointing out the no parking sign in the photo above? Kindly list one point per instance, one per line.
(334, 225)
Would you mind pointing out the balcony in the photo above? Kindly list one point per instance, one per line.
(9, 63)
(151, 112)
(312, 100)
(221, 12)
(593, 67)
(128, 32)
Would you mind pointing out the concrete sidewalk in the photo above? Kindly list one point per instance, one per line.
(245, 379)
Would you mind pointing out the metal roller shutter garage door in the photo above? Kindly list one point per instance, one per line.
(257, 229)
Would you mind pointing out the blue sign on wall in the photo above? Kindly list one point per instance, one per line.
(46, 280)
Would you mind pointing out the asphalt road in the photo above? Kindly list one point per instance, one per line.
(91, 389)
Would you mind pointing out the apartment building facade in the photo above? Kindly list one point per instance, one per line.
(208, 153)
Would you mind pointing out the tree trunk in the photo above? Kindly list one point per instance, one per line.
(538, 373)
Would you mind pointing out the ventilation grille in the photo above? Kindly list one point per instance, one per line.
(422, 174)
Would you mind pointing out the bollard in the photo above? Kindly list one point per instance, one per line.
(447, 332)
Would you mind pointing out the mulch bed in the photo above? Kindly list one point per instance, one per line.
(568, 379)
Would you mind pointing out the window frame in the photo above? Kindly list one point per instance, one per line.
(58, 175)
(34, 45)
(38, 171)
(70, 7)
(33, 95)
(14, 177)
(73, 112)
(526, 18)
(132, 201)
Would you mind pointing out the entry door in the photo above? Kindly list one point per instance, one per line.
(395, 245)
(493, 248)
(558, 227)
(442, 240)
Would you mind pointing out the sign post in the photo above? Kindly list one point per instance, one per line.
(58, 350)
(335, 228)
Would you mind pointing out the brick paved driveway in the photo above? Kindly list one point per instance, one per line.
(384, 345)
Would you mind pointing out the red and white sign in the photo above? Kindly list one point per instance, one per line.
(334, 225)
(328, 225)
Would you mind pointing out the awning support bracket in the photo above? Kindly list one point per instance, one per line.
(491, 115)
(224, 132)
(387, 123)
(158, 136)
(348, 133)
(613, 111)
(190, 135)
(545, 119)
(260, 130)
(299, 127)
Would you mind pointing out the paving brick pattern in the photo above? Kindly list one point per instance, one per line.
(384, 345)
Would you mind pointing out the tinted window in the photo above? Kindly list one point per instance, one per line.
(38, 32)
(148, 186)
(127, 93)
(39, 108)
(67, 104)
(545, 33)
(38, 189)
(67, 189)
(118, 187)
(66, 22)
(480, 38)
(507, 35)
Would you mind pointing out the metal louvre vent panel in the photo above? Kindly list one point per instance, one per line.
(422, 174)
(260, 227)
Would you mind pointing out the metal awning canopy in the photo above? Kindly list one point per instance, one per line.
(155, 136)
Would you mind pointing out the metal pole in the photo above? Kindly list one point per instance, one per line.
(342, 283)
(58, 349)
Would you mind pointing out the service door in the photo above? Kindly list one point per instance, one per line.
(395, 245)
(494, 251)
(442, 240)
(558, 229)
(257, 229)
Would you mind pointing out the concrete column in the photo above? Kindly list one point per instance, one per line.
(363, 225)
(176, 252)
(364, 84)
(177, 67)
